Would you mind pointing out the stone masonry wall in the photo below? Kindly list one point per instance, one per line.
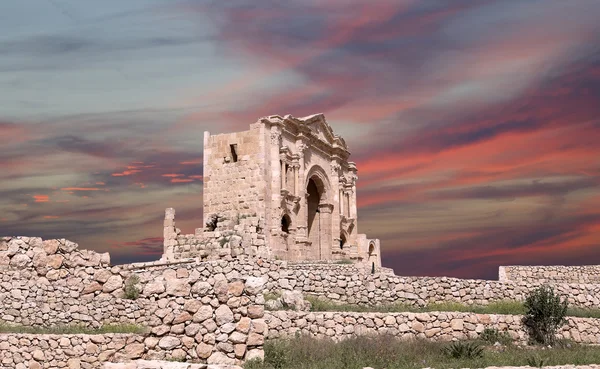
(349, 284)
(208, 311)
(23, 351)
(437, 326)
(231, 237)
(552, 274)
(235, 187)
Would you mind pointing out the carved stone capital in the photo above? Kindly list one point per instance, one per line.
(335, 168)
(275, 137)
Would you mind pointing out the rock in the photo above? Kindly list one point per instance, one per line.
(255, 285)
(113, 283)
(181, 318)
(92, 287)
(177, 287)
(203, 350)
(220, 358)
(153, 288)
(50, 246)
(102, 275)
(74, 363)
(256, 311)
(457, 324)
(134, 350)
(255, 354)
(67, 247)
(205, 312)
(38, 355)
(20, 261)
(169, 342)
(223, 315)
(54, 261)
(236, 288)
(294, 300)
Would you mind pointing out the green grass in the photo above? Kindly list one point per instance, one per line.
(509, 307)
(392, 353)
(73, 329)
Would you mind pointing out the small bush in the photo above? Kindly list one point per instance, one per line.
(464, 350)
(545, 314)
(536, 361)
(131, 290)
(492, 335)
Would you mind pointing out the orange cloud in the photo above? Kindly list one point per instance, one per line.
(41, 198)
(51, 216)
(125, 173)
(191, 162)
(171, 175)
(181, 180)
(80, 189)
(100, 183)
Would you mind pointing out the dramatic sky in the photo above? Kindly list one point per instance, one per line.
(475, 125)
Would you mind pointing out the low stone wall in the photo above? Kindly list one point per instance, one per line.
(589, 274)
(208, 311)
(436, 326)
(350, 284)
(23, 351)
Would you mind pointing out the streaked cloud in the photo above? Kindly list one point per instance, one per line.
(474, 124)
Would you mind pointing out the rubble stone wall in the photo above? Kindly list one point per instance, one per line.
(550, 274)
(70, 351)
(350, 284)
(208, 312)
(436, 326)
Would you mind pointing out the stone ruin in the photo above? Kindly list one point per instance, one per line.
(284, 189)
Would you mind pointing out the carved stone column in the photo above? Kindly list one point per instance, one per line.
(325, 231)
(273, 204)
(302, 213)
(335, 202)
(296, 179)
(283, 172)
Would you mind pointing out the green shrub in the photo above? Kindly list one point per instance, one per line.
(131, 290)
(545, 314)
(492, 335)
(536, 361)
(464, 350)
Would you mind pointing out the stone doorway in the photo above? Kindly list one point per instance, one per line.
(318, 219)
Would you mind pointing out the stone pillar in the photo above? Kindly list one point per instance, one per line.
(302, 219)
(273, 222)
(325, 231)
(206, 176)
(295, 180)
(341, 201)
(335, 213)
(283, 172)
(169, 235)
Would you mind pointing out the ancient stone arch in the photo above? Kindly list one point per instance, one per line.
(289, 184)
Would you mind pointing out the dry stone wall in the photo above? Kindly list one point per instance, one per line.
(22, 351)
(552, 274)
(224, 239)
(436, 326)
(349, 284)
(206, 311)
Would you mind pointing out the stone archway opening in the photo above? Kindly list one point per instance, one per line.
(314, 199)
(342, 240)
(286, 221)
